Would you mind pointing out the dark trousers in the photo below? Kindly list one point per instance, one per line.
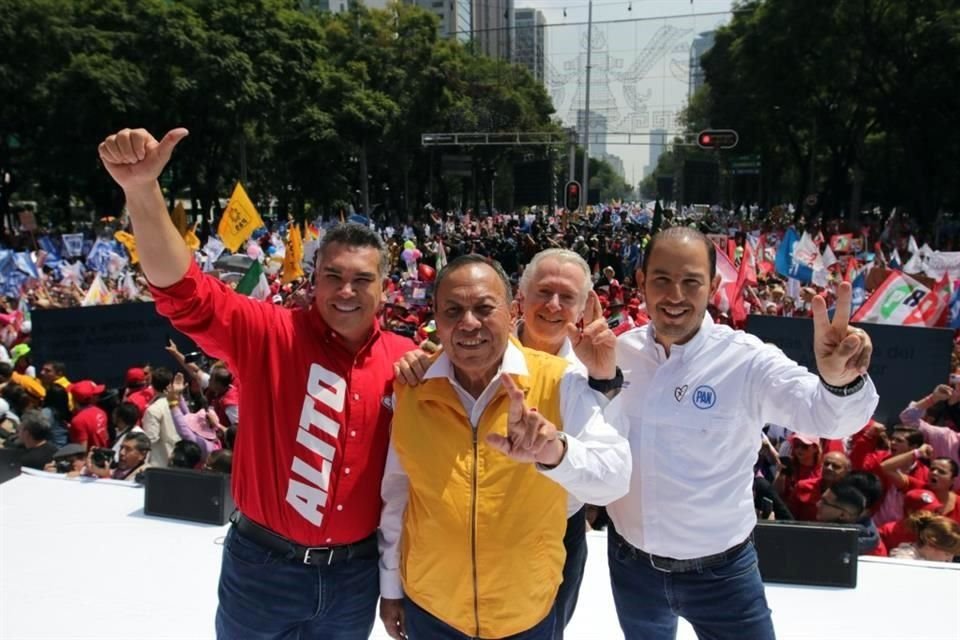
(265, 596)
(575, 543)
(722, 602)
(423, 625)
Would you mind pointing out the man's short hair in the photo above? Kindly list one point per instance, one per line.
(869, 485)
(468, 259)
(36, 424)
(912, 435)
(6, 370)
(563, 256)
(222, 376)
(682, 233)
(128, 413)
(351, 234)
(140, 441)
(186, 455)
(58, 367)
(160, 379)
(849, 496)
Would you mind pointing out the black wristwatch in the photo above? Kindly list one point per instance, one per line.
(605, 386)
(846, 390)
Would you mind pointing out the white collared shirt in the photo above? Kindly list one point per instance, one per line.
(595, 468)
(695, 421)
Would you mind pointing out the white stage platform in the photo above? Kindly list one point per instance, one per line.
(79, 560)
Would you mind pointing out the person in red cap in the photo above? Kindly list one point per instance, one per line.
(89, 423)
(900, 532)
(138, 389)
(804, 464)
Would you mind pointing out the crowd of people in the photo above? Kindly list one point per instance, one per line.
(518, 328)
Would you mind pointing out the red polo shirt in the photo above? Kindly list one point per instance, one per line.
(803, 500)
(89, 426)
(310, 454)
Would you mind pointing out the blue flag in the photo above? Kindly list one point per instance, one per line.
(955, 309)
(26, 264)
(785, 264)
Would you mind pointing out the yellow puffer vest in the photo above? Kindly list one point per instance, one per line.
(482, 543)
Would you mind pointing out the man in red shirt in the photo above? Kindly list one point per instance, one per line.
(301, 559)
(807, 493)
(138, 391)
(89, 423)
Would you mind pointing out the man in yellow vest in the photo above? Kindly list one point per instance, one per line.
(483, 453)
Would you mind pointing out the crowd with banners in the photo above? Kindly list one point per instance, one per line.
(880, 478)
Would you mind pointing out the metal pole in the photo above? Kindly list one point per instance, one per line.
(586, 109)
(573, 155)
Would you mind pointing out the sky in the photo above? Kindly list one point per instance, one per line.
(639, 75)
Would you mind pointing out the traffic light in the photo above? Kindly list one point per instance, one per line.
(572, 196)
(717, 139)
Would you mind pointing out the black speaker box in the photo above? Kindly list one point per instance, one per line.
(808, 553)
(9, 464)
(186, 494)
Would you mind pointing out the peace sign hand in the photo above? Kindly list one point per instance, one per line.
(843, 352)
(530, 437)
(596, 344)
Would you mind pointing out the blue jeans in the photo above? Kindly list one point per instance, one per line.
(265, 596)
(720, 602)
(575, 543)
(422, 625)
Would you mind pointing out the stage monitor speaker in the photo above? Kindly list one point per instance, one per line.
(9, 464)
(808, 553)
(186, 494)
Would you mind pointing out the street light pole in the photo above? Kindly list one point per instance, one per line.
(586, 110)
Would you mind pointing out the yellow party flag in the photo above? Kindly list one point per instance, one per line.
(130, 243)
(179, 216)
(240, 219)
(191, 237)
(293, 255)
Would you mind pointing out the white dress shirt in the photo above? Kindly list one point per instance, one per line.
(595, 468)
(695, 420)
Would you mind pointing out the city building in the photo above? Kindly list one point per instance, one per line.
(598, 132)
(658, 144)
(615, 162)
(493, 22)
(530, 47)
(701, 44)
(336, 6)
(455, 17)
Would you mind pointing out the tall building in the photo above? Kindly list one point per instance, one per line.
(615, 162)
(493, 22)
(456, 17)
(658, 144)
(336, 6)
(598, 132)
(701, 44)
(530, 46)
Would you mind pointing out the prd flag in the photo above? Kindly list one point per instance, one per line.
(190, 237)
(129, 243)
(893, 302)
(240, 219)
(293, 256)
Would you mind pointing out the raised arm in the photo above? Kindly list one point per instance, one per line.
(135, 160)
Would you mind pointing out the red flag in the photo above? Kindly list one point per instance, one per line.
(732, 249)
(748, 269)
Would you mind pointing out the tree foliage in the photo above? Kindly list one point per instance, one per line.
(286, 99)
(851, 99)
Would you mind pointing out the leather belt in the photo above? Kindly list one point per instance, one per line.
(315, 556)
(674, 565)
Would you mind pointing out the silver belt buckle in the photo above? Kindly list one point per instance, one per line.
(306, 556)
(654, 564)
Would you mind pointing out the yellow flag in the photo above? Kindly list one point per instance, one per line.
(179, 216)
(293, 255)
(191, 237)
(240, 219)
(128, 241)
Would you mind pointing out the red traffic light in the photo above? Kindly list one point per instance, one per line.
(717, 139)
(572, 196)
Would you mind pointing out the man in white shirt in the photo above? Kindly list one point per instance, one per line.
(433, 474)
(696, 396)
